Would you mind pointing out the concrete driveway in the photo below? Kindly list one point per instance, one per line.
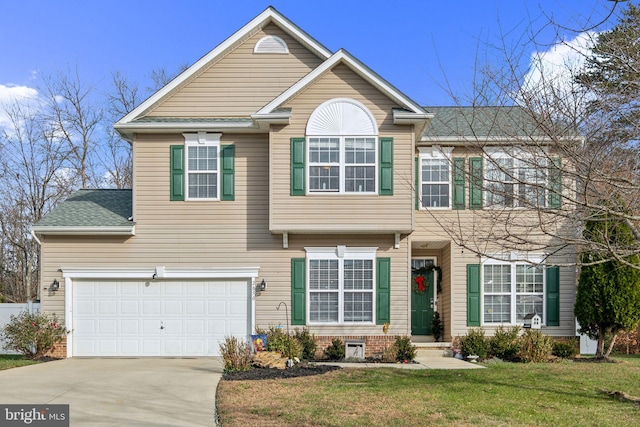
(123, 392)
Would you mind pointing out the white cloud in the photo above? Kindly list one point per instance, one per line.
(551, 72)
(10, 94)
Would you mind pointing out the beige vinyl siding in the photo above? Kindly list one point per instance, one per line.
(213, 234)
(341, 212)
(241, 82)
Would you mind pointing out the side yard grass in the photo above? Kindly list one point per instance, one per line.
(8, 361)
(560, 394)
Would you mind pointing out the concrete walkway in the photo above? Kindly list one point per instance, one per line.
(424, 362)
(120, 392)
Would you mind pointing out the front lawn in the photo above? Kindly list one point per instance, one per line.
(558, 394)
(8, 361)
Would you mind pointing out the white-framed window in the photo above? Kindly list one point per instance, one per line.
(511, 289)
(342, 149)
(435, 177)
(515, 179)
(341, 286)
(202, 165)
(342, 164)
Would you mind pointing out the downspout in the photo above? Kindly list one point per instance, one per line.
(33, 234)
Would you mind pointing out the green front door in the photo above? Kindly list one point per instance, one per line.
(421, 302)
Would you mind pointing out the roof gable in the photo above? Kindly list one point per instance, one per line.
(270, 15)
(344, 57)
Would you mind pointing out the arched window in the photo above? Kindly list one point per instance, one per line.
(342, 148)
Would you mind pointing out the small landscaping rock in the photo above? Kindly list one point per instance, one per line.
(269, 359)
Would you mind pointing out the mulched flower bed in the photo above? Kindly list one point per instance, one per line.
(271, 373)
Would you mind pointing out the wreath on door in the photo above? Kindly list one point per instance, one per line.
(419, 285)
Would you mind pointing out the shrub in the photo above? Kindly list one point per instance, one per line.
(285, 344)
(437, 326)
(505, 343)
(308, 343)
(33, 335)
(236, 354)
(474, 343)
(404, 349)
(336, 350)
(564, 349)
(535, 346)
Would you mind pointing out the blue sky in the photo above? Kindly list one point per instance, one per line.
(411, 43)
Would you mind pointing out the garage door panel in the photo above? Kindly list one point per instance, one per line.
(129, 327)
(108, 306)
(158, 318)
(173, 307)
(129, 307)
(107, 326)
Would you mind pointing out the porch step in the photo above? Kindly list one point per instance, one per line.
(433, 349)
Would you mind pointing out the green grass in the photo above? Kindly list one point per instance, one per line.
(8, 361)
(558, 394)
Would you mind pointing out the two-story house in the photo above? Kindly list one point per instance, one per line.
(275, 171)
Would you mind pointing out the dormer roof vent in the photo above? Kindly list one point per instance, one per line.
(271, 44)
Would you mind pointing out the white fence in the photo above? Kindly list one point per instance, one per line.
(7, 310)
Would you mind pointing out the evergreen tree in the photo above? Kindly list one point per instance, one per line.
(608, 296)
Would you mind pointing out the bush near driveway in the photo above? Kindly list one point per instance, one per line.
(33, 334)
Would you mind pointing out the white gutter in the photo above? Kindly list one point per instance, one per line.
(102, 231)
(33, 234)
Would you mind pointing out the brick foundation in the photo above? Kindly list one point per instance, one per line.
(59, 350)
(374, 345)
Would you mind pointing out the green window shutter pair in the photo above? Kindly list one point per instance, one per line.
(299, 169)
(299, 292)
(552, 295)
(177, 171)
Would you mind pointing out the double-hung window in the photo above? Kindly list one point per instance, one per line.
(511, 290)
(435, 177)
(341, 285)
(515, 180)
(342, 164)
(202, 165)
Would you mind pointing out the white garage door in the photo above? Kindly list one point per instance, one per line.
(157, 318)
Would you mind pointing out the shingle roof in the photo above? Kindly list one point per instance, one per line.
(479, 122)
(91, 208)
(154, 119)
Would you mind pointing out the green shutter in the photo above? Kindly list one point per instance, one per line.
(553, 296)
(417, 182)
(458, 195)
(228, 165)
(386, 167)
(383, 291)
(473, 294)
(298, 291)
(298, 167)
(176, 185)
(555, 183)
(475, 183)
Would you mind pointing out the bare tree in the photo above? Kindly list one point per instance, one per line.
(75, 116)
(35, 179)
(546, 152)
